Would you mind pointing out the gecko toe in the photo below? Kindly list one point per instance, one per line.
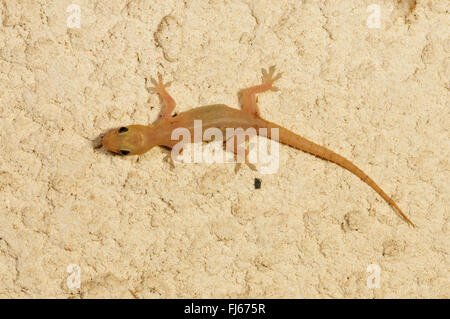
(264, 73)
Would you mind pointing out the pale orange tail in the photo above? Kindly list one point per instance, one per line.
(290, 138)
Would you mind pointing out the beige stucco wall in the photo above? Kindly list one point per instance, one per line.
(136, 227)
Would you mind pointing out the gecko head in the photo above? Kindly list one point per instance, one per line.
(129, 140)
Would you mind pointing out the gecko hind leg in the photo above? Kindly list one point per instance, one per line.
(236, 148)
(248, 95)
(169, 102)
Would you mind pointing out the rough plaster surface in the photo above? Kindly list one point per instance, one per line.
(137, 227)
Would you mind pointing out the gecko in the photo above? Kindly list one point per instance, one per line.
(138, 139)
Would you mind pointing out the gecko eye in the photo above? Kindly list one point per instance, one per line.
(123, 129)
(123, 152)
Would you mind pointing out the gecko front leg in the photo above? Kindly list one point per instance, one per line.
(169, 102)
(248, 95)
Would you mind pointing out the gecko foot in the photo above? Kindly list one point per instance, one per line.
(159, 86)
(238, 166)
(269, 77)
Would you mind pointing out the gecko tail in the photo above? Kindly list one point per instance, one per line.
(296, 141)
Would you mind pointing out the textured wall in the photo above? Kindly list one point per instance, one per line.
(136, 227)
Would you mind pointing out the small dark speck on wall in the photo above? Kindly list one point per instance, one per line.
(257, 183)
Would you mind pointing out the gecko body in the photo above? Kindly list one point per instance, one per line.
(138, 139)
